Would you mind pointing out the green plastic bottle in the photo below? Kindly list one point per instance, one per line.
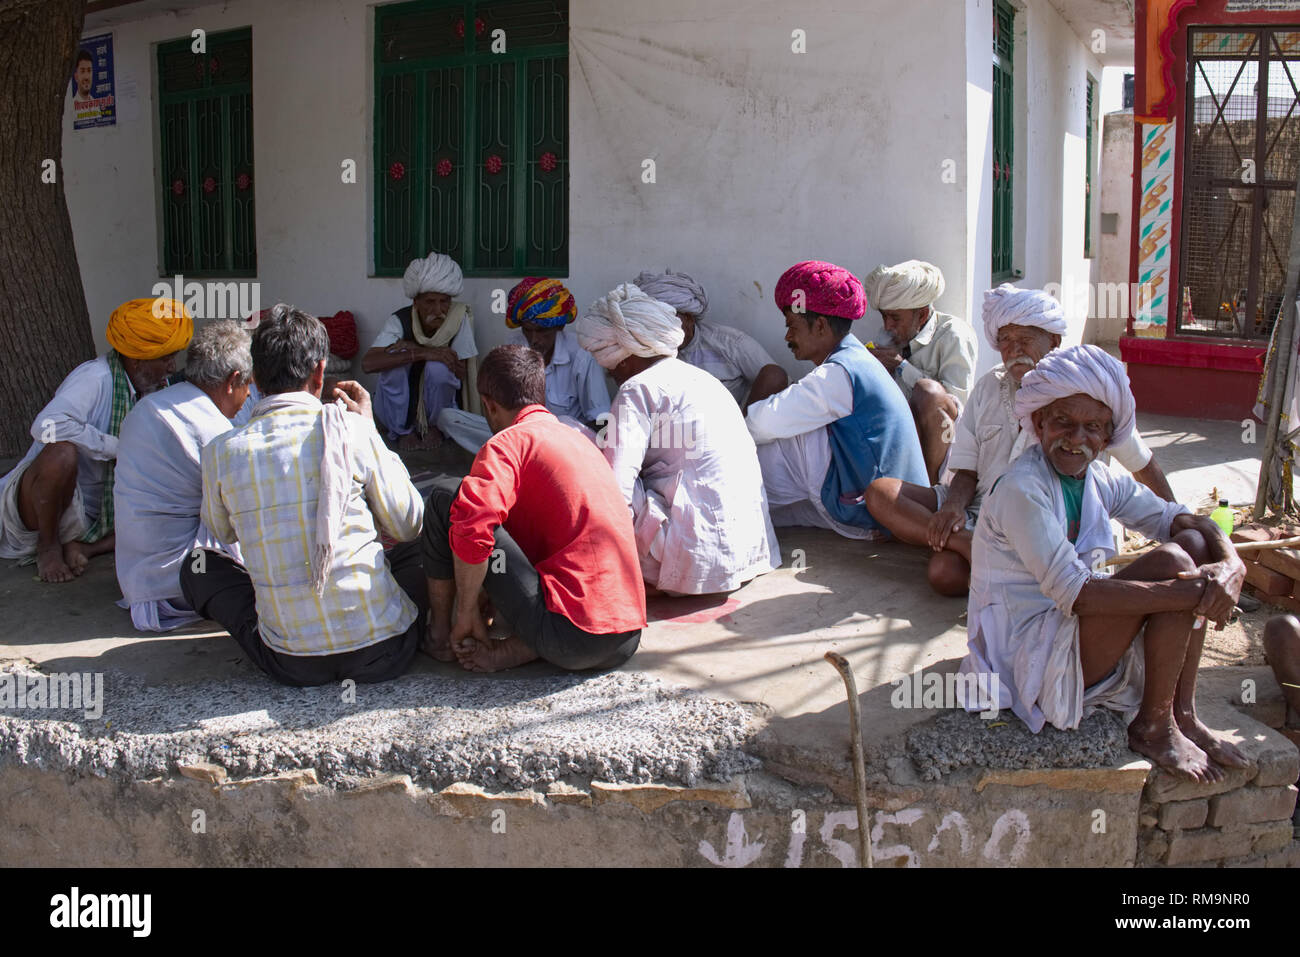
(1222, 516)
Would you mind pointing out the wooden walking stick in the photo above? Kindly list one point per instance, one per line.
(841, 665)
(1243, 548)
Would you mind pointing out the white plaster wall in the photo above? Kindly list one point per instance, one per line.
(763, 156)
(1116, 188)
(1056, 70)
(979, 153)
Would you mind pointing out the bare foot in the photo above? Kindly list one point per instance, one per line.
(51, 565)
(1170, 749)
(1222, 752)
(487, 656)
(437, 643)
(77, 555)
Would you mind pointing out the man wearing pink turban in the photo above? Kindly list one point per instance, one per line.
(823, 440)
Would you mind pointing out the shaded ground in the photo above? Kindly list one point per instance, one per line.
(671, 714)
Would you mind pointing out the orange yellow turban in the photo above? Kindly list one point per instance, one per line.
(150, 328)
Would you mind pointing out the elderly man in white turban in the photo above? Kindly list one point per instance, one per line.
(423, 354)
(930, 354)
(680, 453)
(1064, 639)
(1023, 325)
(732, 357)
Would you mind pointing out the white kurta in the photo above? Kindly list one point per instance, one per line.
(687, 467)
(943, 349)
(1026, 576)
(989, 437)
(794, 448)
(79, 413)
(157, 492)
(729, 355)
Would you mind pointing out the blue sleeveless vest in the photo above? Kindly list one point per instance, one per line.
(877, 439)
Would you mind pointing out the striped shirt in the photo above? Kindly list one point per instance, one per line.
(260, 488)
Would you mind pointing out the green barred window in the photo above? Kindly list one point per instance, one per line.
(471, 135)
(206, 155)
(1091, 121)
(1004, 120)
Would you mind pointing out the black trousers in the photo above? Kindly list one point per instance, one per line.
(516, 593)
(224, 593)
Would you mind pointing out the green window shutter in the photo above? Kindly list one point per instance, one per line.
(1087, 171)
(206, 156)
(471, 146)
(1003, 138)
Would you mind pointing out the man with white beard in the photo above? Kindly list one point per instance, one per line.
(1023, 325)
(1063, 638)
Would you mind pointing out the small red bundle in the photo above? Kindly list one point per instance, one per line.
(342, 329)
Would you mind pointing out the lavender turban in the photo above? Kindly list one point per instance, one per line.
(675, 288)
(828, 290)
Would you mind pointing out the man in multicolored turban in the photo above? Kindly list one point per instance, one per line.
(541, 309)
(930, 354)
(823, 440)
(1062, 636)
(57, 503)
(732, 357)
(1023, 325)
(423, 355)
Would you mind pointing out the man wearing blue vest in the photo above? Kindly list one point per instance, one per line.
(823, 440)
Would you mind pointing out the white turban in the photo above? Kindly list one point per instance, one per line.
(437, 273)
(1066, 372)
(627, 322)
(1009, 306)
(675, 288)
(910, 285)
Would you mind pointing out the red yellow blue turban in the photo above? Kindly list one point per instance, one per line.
(542, 302)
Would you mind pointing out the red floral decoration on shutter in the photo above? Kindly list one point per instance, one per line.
(548, 162)
(243, 181)
(209, 185)
(396, 171)
(444, 167)
(494, 164)
(178, 187)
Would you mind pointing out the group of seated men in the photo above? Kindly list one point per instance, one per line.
(575, 507)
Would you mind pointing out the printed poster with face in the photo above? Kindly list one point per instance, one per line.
(92, 83)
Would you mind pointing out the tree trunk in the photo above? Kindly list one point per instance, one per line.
(44, 327)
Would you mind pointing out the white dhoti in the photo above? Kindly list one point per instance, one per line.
(794, 471)
(19, 541)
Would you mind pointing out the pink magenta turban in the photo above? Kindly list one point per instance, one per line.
(828, 290)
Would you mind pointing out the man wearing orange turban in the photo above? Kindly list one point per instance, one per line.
(57, 504)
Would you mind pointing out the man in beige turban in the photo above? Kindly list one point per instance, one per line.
(423, 355)
(56, 505)
(930, 354)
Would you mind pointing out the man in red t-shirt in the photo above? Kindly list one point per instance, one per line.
(541, 526)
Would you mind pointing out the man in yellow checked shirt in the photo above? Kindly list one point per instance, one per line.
(57, 503)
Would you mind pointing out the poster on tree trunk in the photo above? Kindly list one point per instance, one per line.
(92, 84)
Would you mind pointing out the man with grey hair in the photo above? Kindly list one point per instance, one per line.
(158, 485)
(307, 488)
